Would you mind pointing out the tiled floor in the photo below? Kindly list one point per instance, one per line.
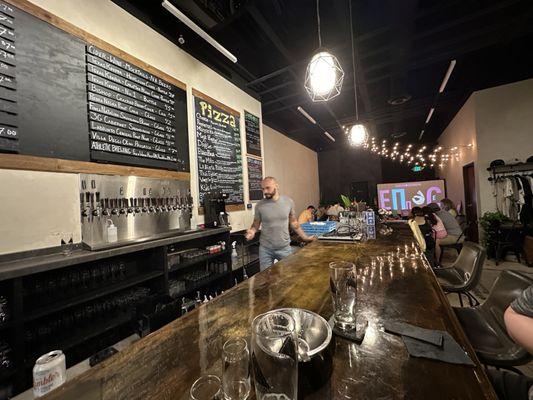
(491, 271)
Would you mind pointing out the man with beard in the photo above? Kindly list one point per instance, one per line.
(274, 214)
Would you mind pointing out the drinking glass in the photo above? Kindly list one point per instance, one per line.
(207, 387)
(275, 356)
(236, 373)
(343, 284)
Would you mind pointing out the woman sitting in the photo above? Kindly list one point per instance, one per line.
(447, 205)
(423, 231)
(438, 228)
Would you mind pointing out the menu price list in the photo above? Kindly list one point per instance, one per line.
(218, 143)
(253, 134)
(9, 133)
(255, 176)
(131, 113)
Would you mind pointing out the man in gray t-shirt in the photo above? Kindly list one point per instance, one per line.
(274, 214)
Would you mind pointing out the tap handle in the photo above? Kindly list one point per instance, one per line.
(97, 195)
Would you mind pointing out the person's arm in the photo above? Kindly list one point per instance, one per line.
(293, 222)
(299, 231)
(520, 328)
(250, 233)
(519, 319)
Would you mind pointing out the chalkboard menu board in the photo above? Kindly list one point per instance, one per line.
(218, 147)
(253, 134)
(255, 176)
(131, 112)
(9, 135)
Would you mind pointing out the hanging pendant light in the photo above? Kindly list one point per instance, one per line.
(324, 74)
(358, 133)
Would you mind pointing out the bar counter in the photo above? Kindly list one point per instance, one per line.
(164, 364)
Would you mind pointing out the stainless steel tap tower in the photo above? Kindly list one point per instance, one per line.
(140, 208)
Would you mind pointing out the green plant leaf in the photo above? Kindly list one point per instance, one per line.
(346, 201)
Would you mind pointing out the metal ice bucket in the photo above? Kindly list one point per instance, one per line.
(314, 353)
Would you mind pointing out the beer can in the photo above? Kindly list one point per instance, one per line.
(49, 372)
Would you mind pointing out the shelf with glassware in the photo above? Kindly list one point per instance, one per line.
(246, 255)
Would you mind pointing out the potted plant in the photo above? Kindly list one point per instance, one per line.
(489, 222)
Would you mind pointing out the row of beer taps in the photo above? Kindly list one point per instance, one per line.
(92, 206)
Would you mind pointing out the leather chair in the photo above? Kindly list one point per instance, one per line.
(465, 273)
(485, 327)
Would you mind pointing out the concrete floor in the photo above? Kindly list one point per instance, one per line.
(491, 271)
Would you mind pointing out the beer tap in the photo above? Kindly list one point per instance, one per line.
(130, 208)
(96, 210)
(174, 203)
(189, 200)
(151, 202)
(84, 211)
(144, 204)
(178, 200)
(136, 204)
(123, 205)
(114, 206)
(105, 206)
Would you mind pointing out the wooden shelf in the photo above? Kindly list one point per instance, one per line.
(53, 308)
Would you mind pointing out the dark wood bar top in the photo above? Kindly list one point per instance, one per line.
(164, 364)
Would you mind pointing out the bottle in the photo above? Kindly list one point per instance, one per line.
(234, 255)
(112, 232)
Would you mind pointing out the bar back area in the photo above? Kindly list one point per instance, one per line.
(231, 200)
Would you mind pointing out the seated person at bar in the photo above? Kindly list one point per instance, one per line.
(322, 213)
(274, 214)
(425, 228)
(447, 205)
(334, 210)
(307, 215)
(519, 324)
(450, 224)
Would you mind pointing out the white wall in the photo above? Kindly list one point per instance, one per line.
(460, 132)
(294, 166)
(504, 124)
(38, 210)
(112, 24)
(499, 123)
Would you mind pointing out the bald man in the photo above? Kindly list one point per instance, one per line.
(274, 214)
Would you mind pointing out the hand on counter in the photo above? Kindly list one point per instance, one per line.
(309, 239)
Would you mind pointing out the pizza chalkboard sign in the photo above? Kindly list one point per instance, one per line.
(255, 176)
(253, 134)
(218, 148)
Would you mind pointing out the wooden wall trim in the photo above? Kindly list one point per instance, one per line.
(66, 26)
(217, 103)
(32, 163)
(229, 207)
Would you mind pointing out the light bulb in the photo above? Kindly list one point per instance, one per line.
(358, 135)
(322, 73)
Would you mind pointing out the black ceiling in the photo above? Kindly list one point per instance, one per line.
(401, 47)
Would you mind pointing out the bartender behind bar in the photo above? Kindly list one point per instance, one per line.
(274, 214)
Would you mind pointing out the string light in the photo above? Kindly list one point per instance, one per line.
(426, 156)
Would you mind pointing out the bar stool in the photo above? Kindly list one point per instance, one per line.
(465, 273)
(485, 327)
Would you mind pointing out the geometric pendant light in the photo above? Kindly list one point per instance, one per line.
(324, 74)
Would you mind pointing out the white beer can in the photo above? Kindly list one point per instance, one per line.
(49, 372)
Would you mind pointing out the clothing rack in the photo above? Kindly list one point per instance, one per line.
(502, 170)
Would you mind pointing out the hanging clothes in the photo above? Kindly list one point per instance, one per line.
(514, 197)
